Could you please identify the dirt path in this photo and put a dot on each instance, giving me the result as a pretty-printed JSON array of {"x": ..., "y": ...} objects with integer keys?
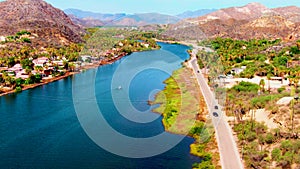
[{"x": 261, "y": 115}]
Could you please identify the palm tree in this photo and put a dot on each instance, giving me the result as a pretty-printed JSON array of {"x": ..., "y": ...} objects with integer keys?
[
  {"x": 262, "y": 85},
  {"x": 72, "y": 67},
  {"x": 39, "y": 68},
  {"x": 28, "y": 70},
  {"x": 8, "y": 80},
  {"x": 296, "y": 81},
  {"x": 269, "y": 78}
]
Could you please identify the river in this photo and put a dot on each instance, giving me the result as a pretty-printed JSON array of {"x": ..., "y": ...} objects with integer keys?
[{"x": 39, "y": 128}]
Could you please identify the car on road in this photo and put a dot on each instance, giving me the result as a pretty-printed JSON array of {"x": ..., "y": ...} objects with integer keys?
[
  {"x": 216, "y": 107},
  {"x": 215, "y": 114},
  {"x": 198, "y": 71}
]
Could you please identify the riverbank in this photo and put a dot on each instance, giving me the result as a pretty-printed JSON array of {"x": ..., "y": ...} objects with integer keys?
[
  {"x": 26, "y": 87},
  {"x": 88, "y": 66},
  {"x": 50, "y": 80},
  {"x": 91, "y": 66},
  {"x": 184, "y": 112}
]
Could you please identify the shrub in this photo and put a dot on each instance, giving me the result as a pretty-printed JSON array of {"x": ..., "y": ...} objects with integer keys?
[
  {"x": 37, "y": 78},
  {"x": 269, "y": 138},
  {"x": 246, "y": 87},
  {"x": 262, "y": 101},
  {"x": 280, "y": 90},
  {"x": 197, "y": 129},
  {"x": 198, "y": 149},
  {"x": 18, "y": 89},
  {"x": 19, "y": 81},
  {"x": 26, "y": 40},
  {"x": 250, "y": 136},
  {"x": 276, "y": 154},
  {"x": 287, "y": 145},
  {"x": 200, "y": 63},
  {"x": 207, "y": 157},
  {"x": 205, "y": 165},
  {"x": 23, "y": 32},
  {"x": 287, "y": 157}
]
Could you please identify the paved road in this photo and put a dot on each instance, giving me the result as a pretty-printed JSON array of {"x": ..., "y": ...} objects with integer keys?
[{"x": 230, "y": 158}]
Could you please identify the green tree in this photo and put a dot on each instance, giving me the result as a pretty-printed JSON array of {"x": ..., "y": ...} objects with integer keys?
[
  {"x": 269, "y": 138},
  {"x": 19, "y": 81},
  {"x": 39, "y": 69},
  {"x": 10, "y": 61},
  {"x": 269, "y": 85},
  {"x": 27, "y": 63},
  {"x": 18, "y": 89},
  {"x": 66, "y": 65},
  {"x": 262, "y": 85},
  {"x": 286, "y": 145},
  {"x": 72, "y": 67},
  {"x": 276, "y": 154}
]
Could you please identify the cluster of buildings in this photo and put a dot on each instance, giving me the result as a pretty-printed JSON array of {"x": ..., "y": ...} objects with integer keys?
[{"x": 42, "y": 65}]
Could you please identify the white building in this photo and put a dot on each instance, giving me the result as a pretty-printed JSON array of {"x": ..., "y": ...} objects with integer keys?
[
  {"x": 40, "y": 61},
  {"x": 2, "y": 39}
]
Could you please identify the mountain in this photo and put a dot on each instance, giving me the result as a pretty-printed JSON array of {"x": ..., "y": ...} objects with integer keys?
[
  {"x": 247, "y": 12},
  {"x": 50, "y": 24},
  {"x": 291, "y": 13},
  {"x": 85, "y": 18},
  {"x": 145, "y": 19},
  {"x": 93, "y": 15},
  {"x": 86, "y": 22},
  {"x": 253, "y": 20},
  {"x": 194, "y": 14}
]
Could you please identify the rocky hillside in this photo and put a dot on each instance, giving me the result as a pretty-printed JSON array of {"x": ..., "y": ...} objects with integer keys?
[
  {"x": 49, "y": 24},
  {"x": 248, "y": 12},
  {"x": 247, "y": 22}
]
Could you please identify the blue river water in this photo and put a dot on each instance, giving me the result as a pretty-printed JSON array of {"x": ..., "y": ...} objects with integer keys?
[{"x": 39, "y": 127}]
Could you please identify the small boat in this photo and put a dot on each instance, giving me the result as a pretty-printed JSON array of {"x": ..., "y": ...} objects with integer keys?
[{"x": 120, "y": 87}]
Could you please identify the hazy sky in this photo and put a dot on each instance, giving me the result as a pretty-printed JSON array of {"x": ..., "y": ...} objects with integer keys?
[{"x": 161, "y": 6}]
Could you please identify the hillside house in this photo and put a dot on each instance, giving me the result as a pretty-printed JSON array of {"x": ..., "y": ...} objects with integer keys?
[
  {"x": 2, "y": 39},
  {"x": 238, "y": 70},
  {"x": 58, "y": 62},
  {"x": 40, "y": 61},
  {"x": 86, "y": 58},
  {"x": 15, "y": 69},
  {"x": 22, "y": 74}
]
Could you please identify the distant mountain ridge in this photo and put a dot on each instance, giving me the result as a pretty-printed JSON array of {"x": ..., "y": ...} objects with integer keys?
[
  {"x": 146, "y": 19},
  {"x": 122, "y": 19},
  {"x": 50, "y": 24},
  {"x": 98, "y": 16},
  {"x": 253, "y": 20},
  {"x": 194, "y": 14}
]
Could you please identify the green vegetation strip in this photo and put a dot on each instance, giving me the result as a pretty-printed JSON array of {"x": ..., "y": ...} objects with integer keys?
[
  {"x": 260, "y": 56},
  {"x": 100, "y": 40},
  {"x": 179, "y": 107}
]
